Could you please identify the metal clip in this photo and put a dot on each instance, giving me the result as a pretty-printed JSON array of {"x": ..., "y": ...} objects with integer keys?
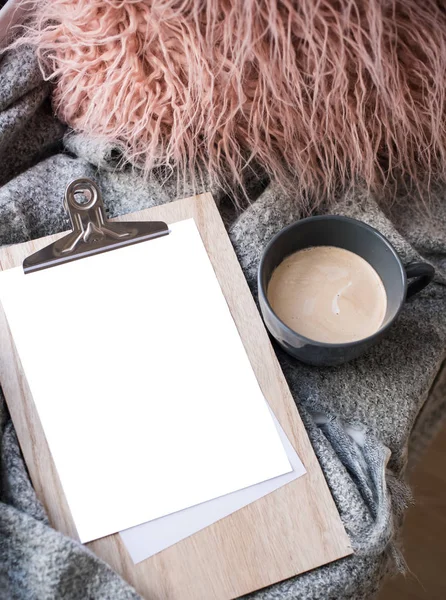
[{"x": 92, "y": 232}]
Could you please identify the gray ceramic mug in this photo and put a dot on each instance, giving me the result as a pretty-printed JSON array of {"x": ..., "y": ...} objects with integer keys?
[{"x": 363, "y": 240}]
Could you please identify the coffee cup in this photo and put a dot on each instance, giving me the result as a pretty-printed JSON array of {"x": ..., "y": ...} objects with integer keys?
[{"x": 365, "y": 242}]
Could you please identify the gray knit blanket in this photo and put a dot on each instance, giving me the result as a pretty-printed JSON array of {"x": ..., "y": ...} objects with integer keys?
[{"x": 362, "y": 418}]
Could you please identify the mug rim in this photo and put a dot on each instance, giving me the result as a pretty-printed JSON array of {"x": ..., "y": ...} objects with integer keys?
[{"x": 352, "y": 221}]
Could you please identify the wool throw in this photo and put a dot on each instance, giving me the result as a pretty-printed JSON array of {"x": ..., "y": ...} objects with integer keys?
[{"x": 359, "y": 416}]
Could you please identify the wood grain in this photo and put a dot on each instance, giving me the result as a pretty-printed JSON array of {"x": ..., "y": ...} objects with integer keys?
[
  {"x": 292, "y": 530},
  {"x": 424, "y": 532}
]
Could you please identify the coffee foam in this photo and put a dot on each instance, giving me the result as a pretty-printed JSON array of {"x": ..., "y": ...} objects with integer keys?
[{"x": 328, "y": 294}]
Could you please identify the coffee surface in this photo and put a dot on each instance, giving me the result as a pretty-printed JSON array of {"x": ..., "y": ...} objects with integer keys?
[{"x": 328, "y": 294}]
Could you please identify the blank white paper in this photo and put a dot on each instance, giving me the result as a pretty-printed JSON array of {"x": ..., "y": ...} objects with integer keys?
[
  {"x": 150, "y": 538},
  {"x": 143, "y": 387}
]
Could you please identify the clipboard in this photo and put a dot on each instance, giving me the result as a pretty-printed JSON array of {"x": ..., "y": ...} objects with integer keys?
[{"x": 288, "y": 532}]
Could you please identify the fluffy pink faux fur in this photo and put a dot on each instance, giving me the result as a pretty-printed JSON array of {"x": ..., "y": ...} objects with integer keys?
[{"x": 318, "y": 92}]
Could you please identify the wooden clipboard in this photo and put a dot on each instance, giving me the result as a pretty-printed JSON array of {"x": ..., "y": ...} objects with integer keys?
[{"x": 288, "y": 532}]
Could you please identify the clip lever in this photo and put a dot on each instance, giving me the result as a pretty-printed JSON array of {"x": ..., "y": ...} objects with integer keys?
[{"x": 92, "y": 233}]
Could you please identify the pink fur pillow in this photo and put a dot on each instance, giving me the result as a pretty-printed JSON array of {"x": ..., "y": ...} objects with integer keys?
[{"x": 319, "y": 93}]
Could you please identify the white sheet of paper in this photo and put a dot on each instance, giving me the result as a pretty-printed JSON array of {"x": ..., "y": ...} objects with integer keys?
[
  {"x": 150, "y": 538},
  {"x": 145, "y": 393}
]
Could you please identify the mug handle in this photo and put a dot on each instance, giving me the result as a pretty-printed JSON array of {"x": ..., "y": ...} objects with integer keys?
[{"x": 424, "y": 274}]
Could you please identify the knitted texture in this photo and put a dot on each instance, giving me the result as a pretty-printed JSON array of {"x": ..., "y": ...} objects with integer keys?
[
  {"x": 320, "y": 94},
  {"x": 359, "y": 417}
]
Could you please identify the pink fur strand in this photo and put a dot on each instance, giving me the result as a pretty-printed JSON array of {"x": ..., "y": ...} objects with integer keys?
[{"x": 319, "y": 93}]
